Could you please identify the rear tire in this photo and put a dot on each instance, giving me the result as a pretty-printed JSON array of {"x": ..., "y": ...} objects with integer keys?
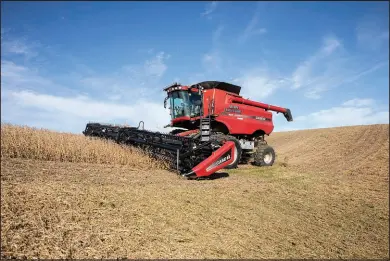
[
  {"x": 264, "y": 156},
  {"x": 238, "y": 150}
]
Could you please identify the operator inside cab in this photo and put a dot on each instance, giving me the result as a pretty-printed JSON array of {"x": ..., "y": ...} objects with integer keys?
[{"x": 195, "y": 102}]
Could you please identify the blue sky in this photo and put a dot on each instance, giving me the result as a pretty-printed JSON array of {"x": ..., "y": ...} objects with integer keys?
[{"x": 66, "y": 63}]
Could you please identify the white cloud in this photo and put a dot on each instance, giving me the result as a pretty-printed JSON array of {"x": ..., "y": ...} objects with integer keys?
[
  {"x": 115, "y": 97},
  {"x": 352, "y": 112},
  {"x": 209, "y": 9},
  {"x": 259, "y": 83},
  {"x": 17, "y": 46},
  {"x": 153, "y": 67},
  {"x": 359, "y": 102},
  {"x": 360, "y": 74},
  {"x": 314, "y": 93},
  {"x": 212, "y": 61},
  {"x": 29, "y": 98},
  {"x": 302, "y": 76},
  {"x": 335, "y": 77},
  {"x": 135, "y": 77},
  {"x": 81, "y": 109},
  {"x": 90, "y": 108},
  {"x": 330, "y": 67},
  {"x": 131, "y": 81},
  {"x": 156, "y": 66},
  {"x": 330, "y": 45},
  {"x": 217, "y": 34},
  {"x": 10, "y": 69},
  {"x": 251, "y": 29},
  {"x": 207, "y": 58},
  {"x": 14, "y": 76}
]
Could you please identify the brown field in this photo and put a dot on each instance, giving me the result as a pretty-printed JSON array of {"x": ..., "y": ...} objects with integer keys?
[{"x": 64, "y": 196}]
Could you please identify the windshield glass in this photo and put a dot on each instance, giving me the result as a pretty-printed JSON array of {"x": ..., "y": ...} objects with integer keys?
[{"x": 184, "y": 103}]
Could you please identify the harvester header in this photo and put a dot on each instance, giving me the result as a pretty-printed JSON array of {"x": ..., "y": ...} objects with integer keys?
[{"x": 216, "y": 128}]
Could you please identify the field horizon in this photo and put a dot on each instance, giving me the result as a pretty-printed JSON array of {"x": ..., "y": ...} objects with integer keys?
[{"x": 68, "y": 196}]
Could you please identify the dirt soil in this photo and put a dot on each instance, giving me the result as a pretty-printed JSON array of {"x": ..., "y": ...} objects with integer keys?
[{"x": 327, "y": 196}]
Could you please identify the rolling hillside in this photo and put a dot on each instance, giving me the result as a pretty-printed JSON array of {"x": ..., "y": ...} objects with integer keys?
[
  {"x": 358, "y": 149},
  {"x": 326, "y": 197}
]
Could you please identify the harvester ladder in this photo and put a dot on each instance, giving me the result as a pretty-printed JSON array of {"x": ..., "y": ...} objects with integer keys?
[
  {"x": 205, "y": 128},
  {"x": 205, "y": 125},
  {"x": 205, "y": 121}
]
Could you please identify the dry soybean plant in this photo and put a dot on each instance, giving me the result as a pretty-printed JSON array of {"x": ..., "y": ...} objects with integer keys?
[{"x": 41, "y": 144}]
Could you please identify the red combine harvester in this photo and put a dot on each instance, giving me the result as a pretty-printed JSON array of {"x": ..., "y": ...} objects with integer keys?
[{"x": 218, "y": 129}]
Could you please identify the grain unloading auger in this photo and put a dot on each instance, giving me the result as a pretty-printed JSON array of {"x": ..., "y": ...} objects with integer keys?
[{"x": 219, "y": 129}]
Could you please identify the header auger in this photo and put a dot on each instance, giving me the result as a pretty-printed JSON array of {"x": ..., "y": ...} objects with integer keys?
[{"x": 218, "y": 129}]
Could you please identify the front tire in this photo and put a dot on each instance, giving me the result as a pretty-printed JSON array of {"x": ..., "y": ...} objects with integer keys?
[{"x": 264, "y": 156}]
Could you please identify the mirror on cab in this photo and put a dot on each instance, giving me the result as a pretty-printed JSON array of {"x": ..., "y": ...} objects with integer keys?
[{"x": 165, "y": 102}]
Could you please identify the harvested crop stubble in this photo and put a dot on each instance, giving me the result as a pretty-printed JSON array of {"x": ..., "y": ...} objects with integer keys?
[
  {"x": 42, "y": 144},
  {"x": 330, "y": 200}
]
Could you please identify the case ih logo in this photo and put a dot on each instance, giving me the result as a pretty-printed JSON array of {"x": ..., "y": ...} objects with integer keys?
[
  {"x": 225, "y": 157},
  {"x": 234, "y": 109}
]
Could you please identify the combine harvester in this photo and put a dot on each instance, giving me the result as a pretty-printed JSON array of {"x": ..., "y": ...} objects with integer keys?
[{"x": 219, "y": 129}]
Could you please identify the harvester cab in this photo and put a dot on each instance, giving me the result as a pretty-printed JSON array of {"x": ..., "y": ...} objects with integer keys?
[
  {"x": 185, "y": 103},
  {"x": 219, "y": 129}
]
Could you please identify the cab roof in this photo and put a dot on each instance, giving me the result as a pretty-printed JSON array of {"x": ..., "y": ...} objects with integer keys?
[{"x": 228, "y": 87}]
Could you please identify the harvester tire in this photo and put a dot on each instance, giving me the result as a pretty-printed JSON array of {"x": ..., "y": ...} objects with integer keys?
[
  {"x": 221, "y": 137},
  {"x": 264, "y": 156}
]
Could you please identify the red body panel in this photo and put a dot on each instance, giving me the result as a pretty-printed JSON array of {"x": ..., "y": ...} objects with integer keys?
[
  {"x": 185, "y": 133},
  {"x": 239, "y": 118},
  {"x": 239, "y": 124},
  {"x": 218, "y": 160},
  {"x": 180, "y": 119}
]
